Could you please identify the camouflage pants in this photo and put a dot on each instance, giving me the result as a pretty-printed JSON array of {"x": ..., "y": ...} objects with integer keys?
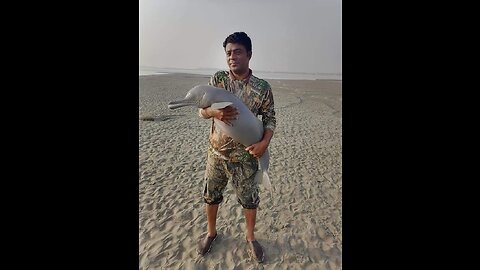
[{"x": 241, "y": 175}]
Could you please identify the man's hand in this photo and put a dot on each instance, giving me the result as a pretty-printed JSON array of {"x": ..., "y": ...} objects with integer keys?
[
  {"x": 225, "y": 115},
  {"x": 257, "y": 149}
]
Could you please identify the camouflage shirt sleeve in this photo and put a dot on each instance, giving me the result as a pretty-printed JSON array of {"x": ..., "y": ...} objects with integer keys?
[
  {"x": 267, "y": 110},
  {"x": 217, "y": 80}
]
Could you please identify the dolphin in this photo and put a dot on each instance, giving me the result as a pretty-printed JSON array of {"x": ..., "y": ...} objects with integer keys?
[{"x": 247, "y": 129}]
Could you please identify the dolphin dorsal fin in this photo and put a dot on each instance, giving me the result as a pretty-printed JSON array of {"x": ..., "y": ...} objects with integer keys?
[{"x": 220, "y": 105}]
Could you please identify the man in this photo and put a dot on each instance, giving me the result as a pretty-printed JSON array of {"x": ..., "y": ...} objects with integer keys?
[{"x": 229, "y": 160}]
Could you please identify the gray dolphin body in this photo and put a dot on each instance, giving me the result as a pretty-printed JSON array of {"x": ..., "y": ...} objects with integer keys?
[{"x": 247, "y": 129}]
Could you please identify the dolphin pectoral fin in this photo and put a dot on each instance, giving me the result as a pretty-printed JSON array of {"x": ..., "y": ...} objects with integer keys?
[{"x": 220, "y": 105}]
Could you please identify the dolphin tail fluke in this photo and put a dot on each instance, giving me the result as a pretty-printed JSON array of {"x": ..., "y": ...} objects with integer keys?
[
  {"x": 261, "y": 177},
  {"x": 266, "y": 183}
]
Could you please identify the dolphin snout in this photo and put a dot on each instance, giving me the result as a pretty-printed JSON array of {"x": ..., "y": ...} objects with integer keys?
[
  {"x": 193, "y": 98},
  {"x": 181, "y": 103}
]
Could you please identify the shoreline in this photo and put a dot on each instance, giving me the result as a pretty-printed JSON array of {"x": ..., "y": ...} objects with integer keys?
[{"x": 259, "y": 74}]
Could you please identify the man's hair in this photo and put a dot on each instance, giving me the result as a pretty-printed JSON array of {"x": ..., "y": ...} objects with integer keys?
[{"x": 240, "y": 38}]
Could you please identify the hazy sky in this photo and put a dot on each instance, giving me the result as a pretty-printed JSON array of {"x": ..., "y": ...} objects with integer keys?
[{"x": 287, "y": 36}]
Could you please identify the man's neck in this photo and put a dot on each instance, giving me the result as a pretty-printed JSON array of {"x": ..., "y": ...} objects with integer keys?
[{"x": 241, "y": 76}]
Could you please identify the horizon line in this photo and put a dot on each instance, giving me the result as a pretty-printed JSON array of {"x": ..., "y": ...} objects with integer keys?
[{"x": 264, "y": 71}]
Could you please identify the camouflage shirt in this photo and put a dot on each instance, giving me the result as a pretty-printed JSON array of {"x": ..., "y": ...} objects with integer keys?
[{"x": 257, "y": 95}]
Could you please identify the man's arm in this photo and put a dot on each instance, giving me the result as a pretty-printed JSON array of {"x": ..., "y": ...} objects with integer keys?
[
  {"x": 258, "y": 149},
  {"x": 267, "y": 136},
  {"x": 205, "y": 113},
  {"x": 226, "y": 114},
  {"x": 269, "y": 123}
]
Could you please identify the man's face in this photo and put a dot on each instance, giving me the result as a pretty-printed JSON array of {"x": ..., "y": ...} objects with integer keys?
[{"x": 237, "y": 57}]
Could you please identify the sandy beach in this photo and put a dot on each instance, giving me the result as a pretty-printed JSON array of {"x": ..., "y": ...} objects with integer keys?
[{"x": 299, "y": 228}]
